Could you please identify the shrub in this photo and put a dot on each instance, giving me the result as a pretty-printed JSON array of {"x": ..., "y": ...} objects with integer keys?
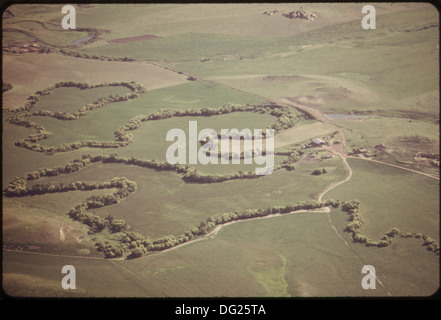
[{"x": 319, "y": 171}]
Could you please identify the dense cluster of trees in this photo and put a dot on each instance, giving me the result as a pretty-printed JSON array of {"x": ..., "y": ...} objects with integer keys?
[
  {"x": 135, "y": 91},
  {"x": 189, "y": 174},
  {"x": 132, "y": 244},
  {"x": 123, "y": 241},
  {"x": 80, "y": 212},
  {"x": 293, "y": 153},
  {"x": 286, "y": 118},
  {"x": 356, "y": 221},
  {"x": 18, "y": 186},
  {"x": 319, "y": 171},
  {"x": 254, "y": 213},
  {"x": 128, "y": 242},
  {"x": 30, "y": 142},
  {"x": 6, "y": 86},
  {"x": 19, "y": 120},
  {"x": 429, "y": 242},
  {"x": 135, "y": 88},
  {"x": 75, "y": 54},
  {"x": 210, "y": 224},
  {"x": 69, "y": 146},
  {"x": 429, "y": 155},
  {"x": 140, "y": 245},
  {"x": 122, "y": 135},
  {"x": 293, "y": 156},
  {"x": 110, "y": 248},
  {"x": 352, "y": 208},
  {"x": 166, "y": 113},
  {"x": 195, "y": 176}
]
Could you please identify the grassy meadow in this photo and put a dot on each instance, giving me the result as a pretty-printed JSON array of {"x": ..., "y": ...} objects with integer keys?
[
  {"x": 71, "y": 99},
  {"x": 246, "y": 259},
  {"x": 404, "y": 262},
  {"x": 417, "y": 212},
  {"x": 164, "y": 204},
  {"x": 115, "y": 115},
  {"x": 48, "y": 34}
]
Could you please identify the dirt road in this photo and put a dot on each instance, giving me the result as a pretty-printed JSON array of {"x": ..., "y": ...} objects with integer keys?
[
  {"x": 395, "y": 166},
  {"x": 313, "y": 113}
]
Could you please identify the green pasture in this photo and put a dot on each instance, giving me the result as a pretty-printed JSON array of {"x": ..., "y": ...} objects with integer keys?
[
  {"x": 192, "y": 95},
  {"x": 369, "y": 132},
  {"x": 186, "y": 47},
  {"x": 69, "y": 100},
  {"x": 150, "y": 139},
  {"x": 391, "y": 197},
  {"x": 40, "y": 276},
  {"x": 398, "y": 71},
  {"x": 50, "y": 34},
  {"x": 16, "y": 160},
  {"x": 12, "y": 37},
  {"x": 164, "y": 204}
]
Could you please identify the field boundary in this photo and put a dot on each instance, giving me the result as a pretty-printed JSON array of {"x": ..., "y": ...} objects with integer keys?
[{"x": 285, "y": 118}]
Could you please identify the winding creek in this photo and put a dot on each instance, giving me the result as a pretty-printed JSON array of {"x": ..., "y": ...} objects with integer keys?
[{"x": 78, "y": 41}]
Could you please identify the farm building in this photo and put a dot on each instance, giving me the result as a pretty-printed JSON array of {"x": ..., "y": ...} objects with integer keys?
[{"x": 318, "y": 142}]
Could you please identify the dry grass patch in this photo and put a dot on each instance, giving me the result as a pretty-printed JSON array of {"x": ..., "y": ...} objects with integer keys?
[
  {"x": 40, "y": 224},
  {"x": 302, "y": 133},
  {"x": 31, "y": 72}
]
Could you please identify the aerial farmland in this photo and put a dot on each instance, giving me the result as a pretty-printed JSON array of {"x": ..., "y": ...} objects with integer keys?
[{"x": 220, "y": 150}]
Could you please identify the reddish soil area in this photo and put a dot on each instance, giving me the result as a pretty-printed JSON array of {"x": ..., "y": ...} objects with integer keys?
[{"x": 130, "y": 39}]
